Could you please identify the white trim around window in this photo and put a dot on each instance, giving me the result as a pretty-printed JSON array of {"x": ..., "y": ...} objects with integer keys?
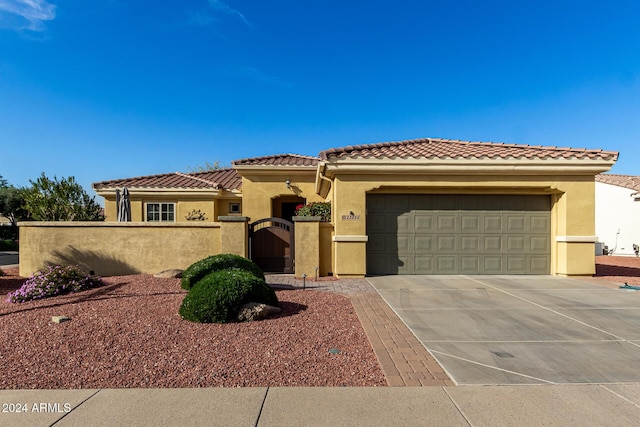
[{"x": 160, "y": 212}]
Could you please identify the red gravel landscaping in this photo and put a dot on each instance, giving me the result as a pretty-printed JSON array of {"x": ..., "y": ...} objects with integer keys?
[
  {"x": 128, "y": 333},
  {"x": 618, "y": 269}
]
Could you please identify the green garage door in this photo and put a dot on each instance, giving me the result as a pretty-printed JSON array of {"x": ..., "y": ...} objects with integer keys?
[{"x": 458, "y": 234}]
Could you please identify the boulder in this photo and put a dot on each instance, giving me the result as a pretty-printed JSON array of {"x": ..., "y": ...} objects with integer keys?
[
  {"x": 256, "y": 311},
  {"x": 60, "y": 319},
  {"x": 169, "y": 274}
]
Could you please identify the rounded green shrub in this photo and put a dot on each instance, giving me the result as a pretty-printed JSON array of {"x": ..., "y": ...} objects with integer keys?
[
  {"x": 218, "y": 297},
  {"x": 199, "y": 269}
]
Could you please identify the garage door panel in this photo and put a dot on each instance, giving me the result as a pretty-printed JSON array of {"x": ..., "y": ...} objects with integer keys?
[
  {"x": 403, "y": 224},
  {"x": 447, "y": 243},
  {"x": 421, "y": 203},
  {"x": 423, "y": 223},
  {"x": 513, "y": 203},
  {"x": 445, "y": 202},
  {"x": 404, "y": 244},
  {"x": 470, "y": 244},
  {"x": 377, "y": 264},
  {"x": 446, "y": 264},
  {"x": 516, "y": 265},
  {"x": 377, "y": 223},
  {"x": 537, "y": 204},
  {"x": 398, "y": 203},
  {"x": 470, "y": 223},
  {"x": 423, "y": 265},
  {"x": 446, "y": 223},
  {"x": 493, "y": 223},
  {"x": 492, "y": 244},
  {"x": 492, "y": 265},
  {"x": 377, "y": 243},
  {"x": 516, "y": 223},
  {"x": 539, "y": 244},
  {"x": 454, "y": 234},
  {"x": 403, "y": 263},
  {"x": 469, "y": 264},
  {"x": 539, "y": 265},
  {"x": 423, "y": 244},
  {"x": 515, "y": 244},
  {"x": 377, "y": 203},
  {"x": 540, "y": 224}
]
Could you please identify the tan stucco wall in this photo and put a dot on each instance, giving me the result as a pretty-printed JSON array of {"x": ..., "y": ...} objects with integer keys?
[
  {"x": 307, "y": 247},
  {"x": 326, "y": 253},
  {"x": 234, "y": 235},
  {"x": 572, "y": 213},
  {"x": 258, "y": 192},
  {"x": 185, "y": 204},
  {"x": 116, "y": 248}
]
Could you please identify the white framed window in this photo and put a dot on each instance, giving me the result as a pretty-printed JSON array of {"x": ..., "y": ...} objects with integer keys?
[
  {"x": 161, "y": 212},
  {"x": 234, "y": 208}
]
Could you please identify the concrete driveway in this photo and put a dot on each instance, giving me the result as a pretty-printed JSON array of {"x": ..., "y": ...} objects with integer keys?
[{"x": 521, "y": 329}]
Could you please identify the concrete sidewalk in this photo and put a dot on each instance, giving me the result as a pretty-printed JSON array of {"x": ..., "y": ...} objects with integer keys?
[{"x": 565, "y": 405}]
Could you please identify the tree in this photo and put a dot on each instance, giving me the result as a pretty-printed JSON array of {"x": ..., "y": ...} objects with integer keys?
[
  {"x": 208, "y": 167},
  {"x": 60, "y": 200},
  {"x": 11, "y": 202}
]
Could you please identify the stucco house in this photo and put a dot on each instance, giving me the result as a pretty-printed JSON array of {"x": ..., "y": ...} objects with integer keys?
[
  {"x": 424, "y": 206},
  {"x": 618, "y": 213}
]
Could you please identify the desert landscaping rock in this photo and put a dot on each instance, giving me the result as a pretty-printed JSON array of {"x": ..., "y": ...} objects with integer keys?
[
  {"x": 128, "y": 334},
  {"x": 169, "y": 274},
  {"x": 256, "y": 311}
]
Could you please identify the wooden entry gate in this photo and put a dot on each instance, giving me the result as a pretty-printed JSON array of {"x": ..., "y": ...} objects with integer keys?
[{"x": 271, "y": 244}]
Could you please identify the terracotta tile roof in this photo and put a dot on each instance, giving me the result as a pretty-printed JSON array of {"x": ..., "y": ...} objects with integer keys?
[
  {"x": 278, "y": 160},
  {"x": 227, "y": 179},
  {"x": 631, "y": 182},
  {"x": 453, "y": 149}
]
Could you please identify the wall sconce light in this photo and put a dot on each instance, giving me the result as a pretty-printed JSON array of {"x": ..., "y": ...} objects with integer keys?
[{"x": 288, "y": 182}]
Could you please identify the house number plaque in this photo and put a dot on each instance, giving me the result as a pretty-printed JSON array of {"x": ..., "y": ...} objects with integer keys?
[{"x": 350, "y": 217}]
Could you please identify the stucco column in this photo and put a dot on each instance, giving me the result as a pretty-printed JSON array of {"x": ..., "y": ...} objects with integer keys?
[
  {"x": 234, "y": 235},
  {"x": 307, "y": 241},
  {"x": 350, "y": 237}
]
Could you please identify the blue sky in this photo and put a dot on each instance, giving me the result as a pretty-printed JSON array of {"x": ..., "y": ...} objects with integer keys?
[{"x": 119, "y": 88}]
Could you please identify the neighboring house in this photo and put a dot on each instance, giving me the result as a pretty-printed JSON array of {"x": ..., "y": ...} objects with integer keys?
[
  {"x": 618, "y": 213},
  {"x": 426, "y": 206}
]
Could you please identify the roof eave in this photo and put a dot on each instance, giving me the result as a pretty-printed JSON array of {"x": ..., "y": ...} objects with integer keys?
[
  {"x": 173, "y": 191},
  {"x": 468, "y": 166},
  {"x": 323, "y": 184},
  {"x": 270, "y": 169}
]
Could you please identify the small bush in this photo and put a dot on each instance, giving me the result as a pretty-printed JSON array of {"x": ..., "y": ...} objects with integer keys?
[
  {"x": 8, "y": 232},
  {"x": 321, "y": 209},
  {"x": 54, "y": 280},
  {"x": 218, "y": 297},
  {"x": 198, "y": 270},
  {"x": 8, "y": 245}
]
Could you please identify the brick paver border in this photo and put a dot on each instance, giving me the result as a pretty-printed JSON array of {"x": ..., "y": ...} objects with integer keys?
[
  {"x": 402, "y": 357},
  {"x": 404, "y": 360}
]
